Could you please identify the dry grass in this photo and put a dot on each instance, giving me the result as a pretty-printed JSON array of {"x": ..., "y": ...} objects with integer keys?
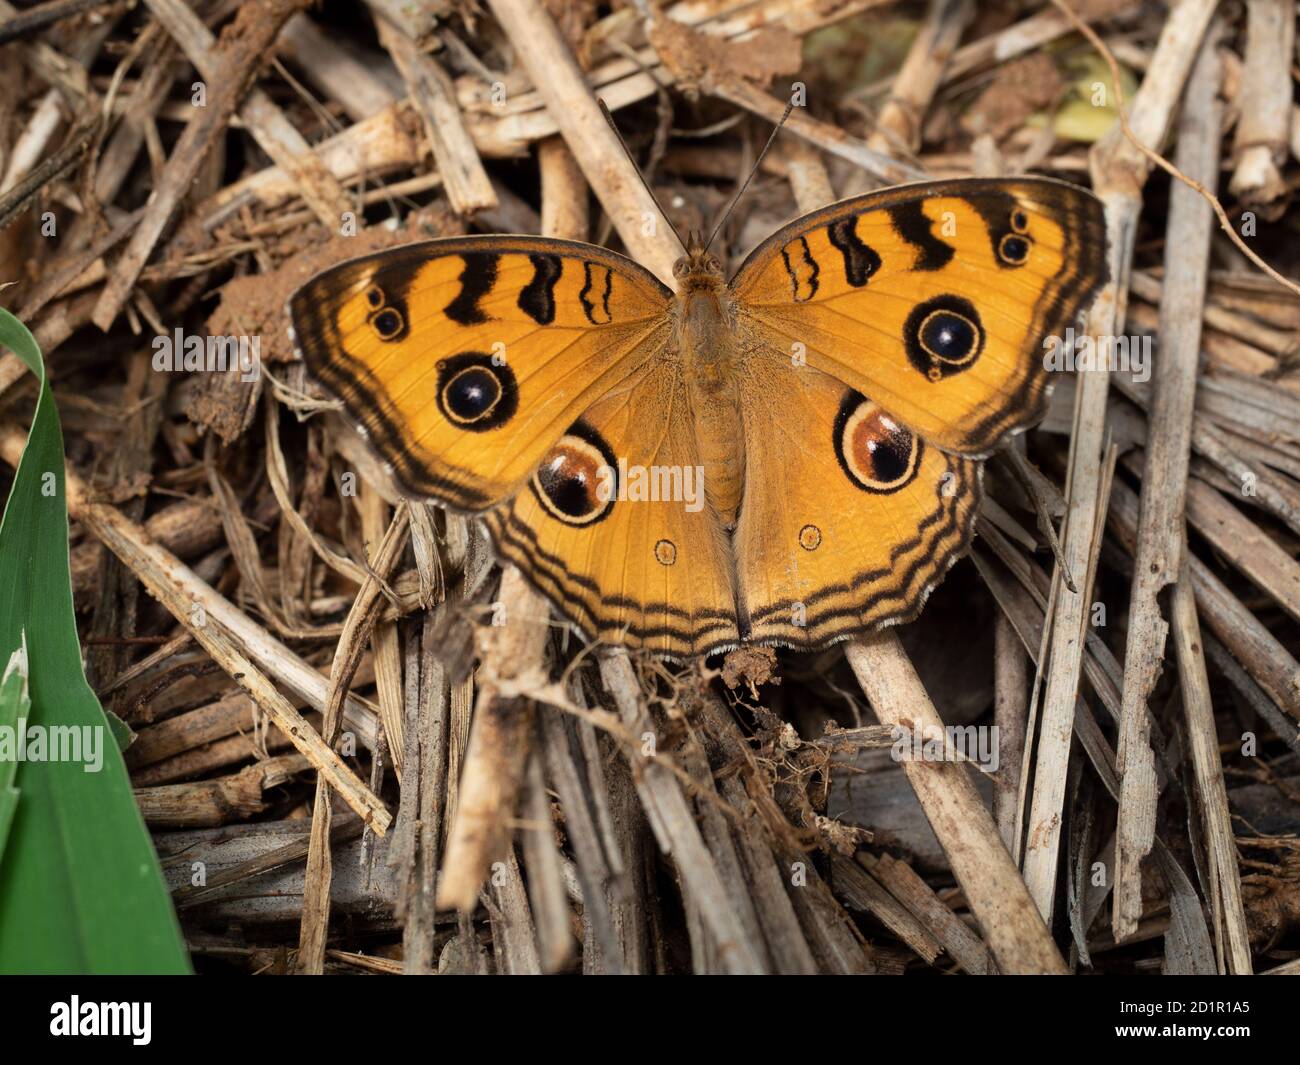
[{"x": 376, "y": 777}]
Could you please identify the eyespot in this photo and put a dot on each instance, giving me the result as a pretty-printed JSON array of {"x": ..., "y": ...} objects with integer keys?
[
  {"x": 876, "y": 452},
  {"x": 388, "y": 323},
  {"x": 577, "y": 482},
  {"x": 810, "y": 537},
  {"x": 1013, "y": 249},
  {"x": 472, "y": 394},
  {"x": 375, "y": 296},
  {"x": 1019, "y": 221},
  {"x": 475, "y": 394},
  {"x": 943, "y": 334},
  {"x": 665, "y": 552}
]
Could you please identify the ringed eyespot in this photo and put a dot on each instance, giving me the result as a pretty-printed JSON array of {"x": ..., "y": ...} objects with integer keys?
[
  {"x": 810, "y": 537},
  {"x": 474, "y": 393},
  {"x": 875, "y": 452},
  {"x": 388, "y": 323},
  {"x": 375, "y": 296},
  {"x": 665, "y": 552},
  {"x": 577, "y": 482},
  {"x": 1019, "y": 220},
  {"x": 1013, "y": 250},
  {"x": 943, "y": 336}
]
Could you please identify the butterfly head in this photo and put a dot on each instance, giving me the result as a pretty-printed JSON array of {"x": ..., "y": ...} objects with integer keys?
[{"x": 699, "y": 267}]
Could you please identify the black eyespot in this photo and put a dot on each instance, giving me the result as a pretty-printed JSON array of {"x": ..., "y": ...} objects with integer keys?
[
  {"x": 943, "y": 336},
  {"x": 388, "y": 323},
  {"x": 577, "y": 482},
  {"x": 1019, "y": 220},
  {"x": 947, "y": 336},
  {"x": 472, "y": 393},
  {"x": 476, "y": 394},
  {"x": 1013, "y": 249},
  {"x": 375, "y": 296}
]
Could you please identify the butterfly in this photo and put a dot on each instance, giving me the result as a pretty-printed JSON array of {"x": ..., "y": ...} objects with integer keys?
[{"x": 793, "y": 456}]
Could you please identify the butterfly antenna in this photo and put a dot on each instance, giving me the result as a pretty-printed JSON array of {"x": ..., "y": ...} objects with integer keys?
[
  {"x": 754, "y": 170},
  {"x": 637, "y": 168}
]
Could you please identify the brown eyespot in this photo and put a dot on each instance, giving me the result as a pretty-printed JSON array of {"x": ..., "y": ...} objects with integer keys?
[
  {"x": 577, "y": 482},
  {"x": 665, "y": 552},
  {"x": 810, "y": 537},
  {"x": 875, "y": 451}
]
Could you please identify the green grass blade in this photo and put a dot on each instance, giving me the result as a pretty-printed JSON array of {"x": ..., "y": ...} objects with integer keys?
[
  {"x": 80, "y": 886},
  {"x": 15, "y": 707}
]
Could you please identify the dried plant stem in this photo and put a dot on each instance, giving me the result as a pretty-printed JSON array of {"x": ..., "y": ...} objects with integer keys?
[
  {"x": 225, "y": 632},
  {"x": 569, "y": 100},
  {"x": 1162, "y": 540},
  {"x": 1011, "y": 925},
  {"x": 1119, "y": 169}
]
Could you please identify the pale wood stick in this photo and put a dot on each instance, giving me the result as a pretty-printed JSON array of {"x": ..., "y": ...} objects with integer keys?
[
  {"x": 381, "y": 143},
  {"x": 898, "y": 127},
  {"x": 385, "y": 647},
  {"x": 1000, "y": 900},
  {"x": 1203, "y": 741},
  {"x": 314, "y": 928},
  {"x": 333, "y": 70},
  {"x": 1162, "y": 542},
  {"x": 1012, "y": 926},
  {"x": 1119, "y": 171},
  {"x": 1020, "y": 38},
  {"x": 1264, "y": 101},
  {"x": 467, "y": 184},
  {"x": 1269, "y": 663},
  {"x": 512, "y": 654},
  {"x": 823, "y": 135},
  {"x": 260, "y": 114},
  {"x": 804, "y": 169},
  {"x": 494, "y": 767},
  {"x": 561, "y": 84},
  {"x": 903, "y": 882},
  {"x": 555, "y": 942},
  {"x": 673, "y": 822},
  {"x": 1010, "y": 714},
  {"x": 234, "y": 67},
  {"x": 514, "y": 938},
  {"x": 234, "y": 641}
]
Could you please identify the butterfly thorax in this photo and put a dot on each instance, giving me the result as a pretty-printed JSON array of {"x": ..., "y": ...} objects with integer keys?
[{"x": 706, "y": 342}]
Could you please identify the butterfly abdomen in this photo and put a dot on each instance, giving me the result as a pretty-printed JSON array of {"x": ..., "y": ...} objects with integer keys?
[{"x": 710, "y": 362}]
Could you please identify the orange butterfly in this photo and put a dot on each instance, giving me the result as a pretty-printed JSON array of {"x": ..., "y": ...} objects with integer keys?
[{"x": 791, "y": 457}]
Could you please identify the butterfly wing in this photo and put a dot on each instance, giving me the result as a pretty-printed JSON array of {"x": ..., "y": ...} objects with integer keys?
[
  {"x": 934, "y": 300},
  {"x": 893, "y": 340},
  {"x": 849, "y": 518},
  {"x": 504, "y": 375},
  {"x": 615, "y": 530},
  {"x": 464, "y": 360}
]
